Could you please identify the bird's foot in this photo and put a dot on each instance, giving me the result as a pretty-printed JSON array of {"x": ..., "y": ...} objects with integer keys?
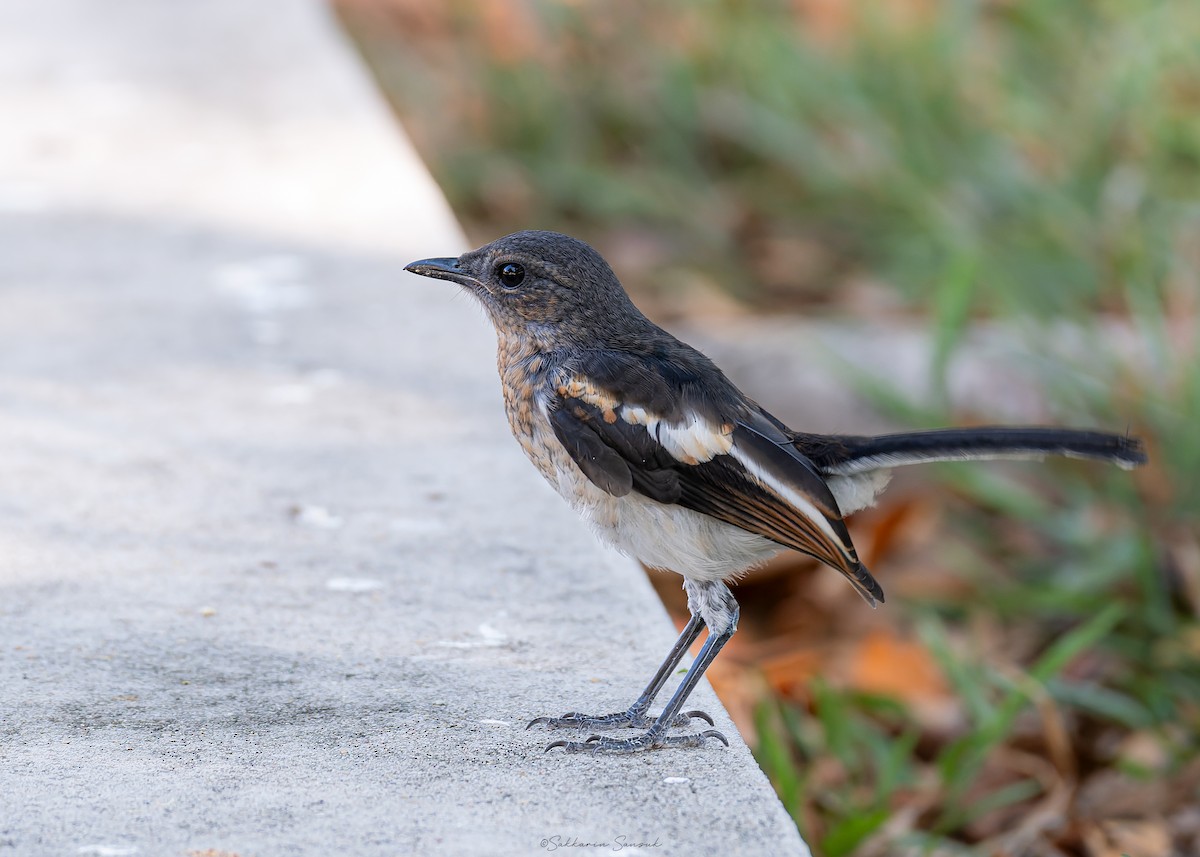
[
  {"x": 650, "y": 741},
  {"x": 625, "y": 719}
]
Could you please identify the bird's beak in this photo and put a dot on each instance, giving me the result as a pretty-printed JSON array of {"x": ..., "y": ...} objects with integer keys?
[{"x": 440, "y": 269}]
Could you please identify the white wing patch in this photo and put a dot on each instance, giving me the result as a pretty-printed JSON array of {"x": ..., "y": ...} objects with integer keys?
[{"x": 693, "y": 441}]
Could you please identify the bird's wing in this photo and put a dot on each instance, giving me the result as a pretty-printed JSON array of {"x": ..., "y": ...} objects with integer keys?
[{"x": 632, "y": 430}]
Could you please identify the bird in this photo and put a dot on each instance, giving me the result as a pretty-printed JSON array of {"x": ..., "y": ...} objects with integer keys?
[{"x": 670, "y": 463}]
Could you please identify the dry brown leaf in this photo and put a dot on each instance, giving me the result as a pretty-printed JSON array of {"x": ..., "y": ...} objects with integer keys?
[
  {"x": 1014, "y": 829},
  {"x": 790, "y": 672},
  {"x": 889, "y": 665},
  {"x": 1109, "y": 794},
  {"x": 1145, "y": 750},
  {"x": 1143, "y": 838},
  {"x": 832, "y": 22},
  {"x": 896, "y": 521}
]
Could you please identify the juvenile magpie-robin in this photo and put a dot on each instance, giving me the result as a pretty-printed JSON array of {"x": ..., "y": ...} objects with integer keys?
[{"x": 669, "y": 462}]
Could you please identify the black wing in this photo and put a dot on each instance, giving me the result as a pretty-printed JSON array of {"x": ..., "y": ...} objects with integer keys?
[{"x": 630, "y": 426}]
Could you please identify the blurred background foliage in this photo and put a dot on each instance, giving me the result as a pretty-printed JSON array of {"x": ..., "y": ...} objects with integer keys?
[{"x": 1034, "y": 686}]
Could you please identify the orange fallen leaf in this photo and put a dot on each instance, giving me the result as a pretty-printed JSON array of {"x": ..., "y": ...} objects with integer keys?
[
  {"x": 788, "y": 672},
  {"x": 889, "y": 665}
]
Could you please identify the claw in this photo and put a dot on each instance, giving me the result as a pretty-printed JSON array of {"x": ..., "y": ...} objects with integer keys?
[
  {"x": 699, "y": 715},
  {"x": 713, "y": 733},
  {"x": 576, "y": 746},
  {"x": 571, "y": 718}
]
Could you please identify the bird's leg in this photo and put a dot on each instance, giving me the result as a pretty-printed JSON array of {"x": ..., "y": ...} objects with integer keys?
[
  {"x": 635, "y": 717},
  {"x": 715, "y": 604}
]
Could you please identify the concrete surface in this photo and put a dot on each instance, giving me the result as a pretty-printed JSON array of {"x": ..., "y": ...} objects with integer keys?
[{"x": 273, "y": 577}]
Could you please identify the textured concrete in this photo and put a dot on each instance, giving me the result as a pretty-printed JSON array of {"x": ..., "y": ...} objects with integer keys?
[{"x": 273, "y": 577}]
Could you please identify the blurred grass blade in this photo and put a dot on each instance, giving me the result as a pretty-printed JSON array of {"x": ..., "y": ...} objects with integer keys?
[
  {"x": 849, "y": 833},
  {"x": 952, "y": 302}
]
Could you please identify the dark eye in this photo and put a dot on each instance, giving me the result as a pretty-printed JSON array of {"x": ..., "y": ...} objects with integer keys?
[{"x": 511, "y": 274}]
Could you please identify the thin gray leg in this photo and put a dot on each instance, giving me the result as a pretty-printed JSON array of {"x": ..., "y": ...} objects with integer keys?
[
  {"x": 635, "y": 717},
  {"x": 654, "y": 738}
]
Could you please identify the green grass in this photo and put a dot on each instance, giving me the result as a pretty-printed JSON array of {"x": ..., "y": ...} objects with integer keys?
[
  {"x": 1034, "y": 163},
  {"x": 1026, "y": 157},
  {"x": 1094, "y": 584}
]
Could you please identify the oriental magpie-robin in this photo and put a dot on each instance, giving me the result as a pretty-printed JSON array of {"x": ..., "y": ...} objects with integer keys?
[{"x": 669, "y": 462}]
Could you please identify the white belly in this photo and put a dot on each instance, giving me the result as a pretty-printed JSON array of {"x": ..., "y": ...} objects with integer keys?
[{"x": 671, "y": 537}]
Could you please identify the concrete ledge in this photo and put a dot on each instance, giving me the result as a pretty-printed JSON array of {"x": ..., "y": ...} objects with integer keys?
[{"x": 274, "y": 578}]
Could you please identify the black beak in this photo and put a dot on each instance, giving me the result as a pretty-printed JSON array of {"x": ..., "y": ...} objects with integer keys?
[{"x": 440, "y": 269}]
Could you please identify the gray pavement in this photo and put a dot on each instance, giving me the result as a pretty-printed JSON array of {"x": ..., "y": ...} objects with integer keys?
[{"x": 273, "y": 577}]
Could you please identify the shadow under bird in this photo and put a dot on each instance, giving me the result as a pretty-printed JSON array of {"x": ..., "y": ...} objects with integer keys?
[{"x": 669, "y": 462}]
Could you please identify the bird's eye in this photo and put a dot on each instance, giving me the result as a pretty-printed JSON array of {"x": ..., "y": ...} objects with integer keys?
[{"x": 511, "y": 274}]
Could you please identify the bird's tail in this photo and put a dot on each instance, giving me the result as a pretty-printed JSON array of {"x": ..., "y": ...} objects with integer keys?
[{"x": 845, "y": 455}]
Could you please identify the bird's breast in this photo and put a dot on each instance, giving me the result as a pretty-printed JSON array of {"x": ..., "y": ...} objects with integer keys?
[
  {"x": 660, "y": 535},
  {"x": 523, "y": 377}
]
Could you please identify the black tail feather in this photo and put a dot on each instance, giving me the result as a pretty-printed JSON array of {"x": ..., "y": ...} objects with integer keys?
[{"x": 847, "y": 454}]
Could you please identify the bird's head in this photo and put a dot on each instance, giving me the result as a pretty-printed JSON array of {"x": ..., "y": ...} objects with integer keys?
[{"x": 544, "y": 285}]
